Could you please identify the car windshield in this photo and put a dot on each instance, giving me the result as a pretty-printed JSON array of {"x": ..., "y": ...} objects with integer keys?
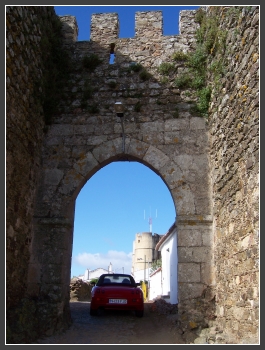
[{"x": 116, "y": 279}]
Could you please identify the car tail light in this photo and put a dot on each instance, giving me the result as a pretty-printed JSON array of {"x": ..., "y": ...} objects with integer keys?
[
  {"x": 97, "y": 294},
  {"x": 139, "y": 292}
]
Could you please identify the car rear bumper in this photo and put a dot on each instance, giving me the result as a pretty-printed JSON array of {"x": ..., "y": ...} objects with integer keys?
[{"x": 107, "y": 306}]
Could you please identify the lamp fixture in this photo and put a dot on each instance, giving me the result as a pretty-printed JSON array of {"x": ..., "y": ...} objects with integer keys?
[
  {"x": 119, "y": 109},
  {"x": 167, "y": 249}
]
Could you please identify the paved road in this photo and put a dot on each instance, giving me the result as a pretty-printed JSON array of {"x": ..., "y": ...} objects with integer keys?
[{"x": 117, "y": 327}]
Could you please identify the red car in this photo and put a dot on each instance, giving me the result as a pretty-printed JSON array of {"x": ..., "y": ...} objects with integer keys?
[{"x": 117, "y": 292}]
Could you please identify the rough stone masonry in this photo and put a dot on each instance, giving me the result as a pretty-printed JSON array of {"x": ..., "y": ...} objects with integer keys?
[{"x": 210, "y": 168}]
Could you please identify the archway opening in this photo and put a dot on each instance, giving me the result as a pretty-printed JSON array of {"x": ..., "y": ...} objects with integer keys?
[{"x": 120, "y": 200}]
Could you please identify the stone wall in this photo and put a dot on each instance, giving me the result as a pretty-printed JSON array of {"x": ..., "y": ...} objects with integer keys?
[
  {"x": 162, "y": 131},
  {"x": 24, "y": 135},
  {"x": 231, "y": 306},
  {"x": 234, "y": 153},
  {"x": 25, "y": 123}
]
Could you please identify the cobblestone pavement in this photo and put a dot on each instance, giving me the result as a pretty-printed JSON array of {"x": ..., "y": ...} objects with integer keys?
[{"x": 117, "y": 327}]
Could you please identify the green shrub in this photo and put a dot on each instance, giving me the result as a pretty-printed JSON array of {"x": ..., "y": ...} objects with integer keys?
[
  {"x": 144, "y": 75},
  {"x": 165, "y": 68},
  {"x": 155, "y": 265},
  {"x": 135, "y": 67},
  {"x": 198, "y": 81},
  {"x": 197, "y": 60},
  {"x": 179, "y": 56},
  {"x": 91, "y": 62},
  {"x": 199, "y": 16},
  {"x": 164, "y": 80},
  {"x": 203, "y": 102},
  {"x": 183, "y": 81},
  {"x": 94, "y": 280}
]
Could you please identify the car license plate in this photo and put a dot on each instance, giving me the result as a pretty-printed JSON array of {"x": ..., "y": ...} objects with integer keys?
[{"x": 118, "y": 301}]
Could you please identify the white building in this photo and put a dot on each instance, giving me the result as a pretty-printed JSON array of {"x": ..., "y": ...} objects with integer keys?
[
  {"x": 91, "y": 274},
  {"x": 142, "y": 275},
  {"x": 155, "y": 287},
  {"x": 169, "y": 271}
]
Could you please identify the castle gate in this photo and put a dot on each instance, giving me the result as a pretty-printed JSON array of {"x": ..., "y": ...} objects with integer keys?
[{"x": 158, "y": 128}]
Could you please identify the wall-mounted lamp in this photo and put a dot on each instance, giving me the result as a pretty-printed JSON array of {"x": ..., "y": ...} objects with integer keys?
[
  {"x": 119, "y": 109},
  {"x": 167, "y": 249}
]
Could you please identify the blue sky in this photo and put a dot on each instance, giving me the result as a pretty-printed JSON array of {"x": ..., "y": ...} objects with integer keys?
[
  {"x": 117, "y": 202},
  {"x": 114, "y": 205}
]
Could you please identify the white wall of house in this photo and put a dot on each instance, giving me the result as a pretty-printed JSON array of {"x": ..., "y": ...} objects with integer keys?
[
  {"x": 155, "y": 284},
  {"x": 90, "y": 274},
  {"x": 140, "y": 275},
  {"x": 169, "y": 256},
  {"x": 96, "y": 273}
]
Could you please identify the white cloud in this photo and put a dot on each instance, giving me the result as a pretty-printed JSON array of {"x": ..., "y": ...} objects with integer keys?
[{"x": 119, "y": 260}]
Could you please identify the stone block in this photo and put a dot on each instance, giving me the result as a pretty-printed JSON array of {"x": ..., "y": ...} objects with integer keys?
[
  {"x": 184, "y": 199},
  {"x": 189, "y": 237},
  {"x": 208, "y": 273},
  {"x": 85, "y": 164},
  {"x": 176, "y": 124},
  {"x": 189, "y": 272},
  {"x": 172, "y": 175},
  {"x": 53, "y": 176},
  {"x": 155, "y": 157},
  {"x": 197, "y": 123},
  {"x": 138, "y": 148},
  {"x": 188, "y": 291},
  {"x": 194, "y": 254}
]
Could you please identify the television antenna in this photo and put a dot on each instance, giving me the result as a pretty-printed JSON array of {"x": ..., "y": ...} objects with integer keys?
[{"x": 150, "y": 220}]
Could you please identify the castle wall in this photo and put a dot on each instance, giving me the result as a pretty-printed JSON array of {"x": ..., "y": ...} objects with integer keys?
[
  {"x": 46, "y": 173},
  {"x": 234, "y": 154},
  {"x": 25, "y": 123},
  {"x": 86, "y": 135}
]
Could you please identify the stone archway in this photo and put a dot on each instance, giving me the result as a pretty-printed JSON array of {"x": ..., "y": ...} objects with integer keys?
[
  {"x": 39, "y": 228},
  {"x": 162, "y": 131},
  {"x": 51, "y": 250}
]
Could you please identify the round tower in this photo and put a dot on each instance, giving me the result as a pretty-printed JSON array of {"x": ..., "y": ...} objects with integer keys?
[{"x": 143, "y": 250}]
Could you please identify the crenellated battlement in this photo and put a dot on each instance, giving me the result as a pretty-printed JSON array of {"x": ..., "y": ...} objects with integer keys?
[
  {"x": 105, "y": 27},
  {"x": 148, "y": 47},
  {"x": 148, "y": 24}
]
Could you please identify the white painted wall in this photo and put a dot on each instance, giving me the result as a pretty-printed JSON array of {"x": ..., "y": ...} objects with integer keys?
[
  {"x": 90, "y": 274},
  {"x": 139, "y": 275},
  {"x": 169, "y": 255},
  {"x": 155, "y": 284},
  {"x": 94, "y": 273}
]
